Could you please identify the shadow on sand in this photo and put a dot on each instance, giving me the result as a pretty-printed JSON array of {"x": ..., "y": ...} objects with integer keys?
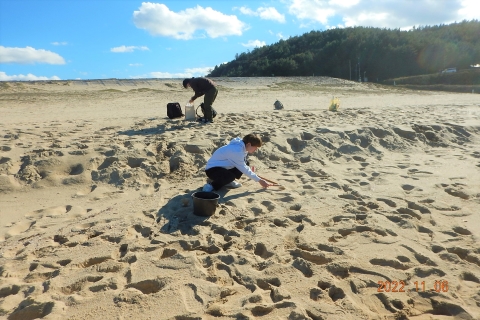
[
  {"x": 177, "y": 213},
  {"x": 175, "y": 125}
]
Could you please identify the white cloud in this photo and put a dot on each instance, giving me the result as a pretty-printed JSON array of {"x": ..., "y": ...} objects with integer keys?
[
  {"x": 157, "y": 19},
  {"x": 343, "y": 3},
  {"x": 271, "y": 13},
  {"x": 254, "y": 44},
  {"x": 384, "y": 14},
  {"x": 247, "y": 11},
  {"x": 59, "y": 43},
  {"x": 316, "y": 10},
  {"x": 199, "y": 71},
  {"x": 188, "y": 73},
  {"x": 470, "y": 9},
  {"x": 268, "y": 13},
  {"x": 29, "y": 55},
  {"x": 128, "y": 49},
  {"x": 135, "y": 64},
  {"x": 21, "y": 77},
  {"x": 364, "y": 18}
]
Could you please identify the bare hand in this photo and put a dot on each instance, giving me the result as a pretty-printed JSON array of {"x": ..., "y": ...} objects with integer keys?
[{"x": 264, "y": 183}]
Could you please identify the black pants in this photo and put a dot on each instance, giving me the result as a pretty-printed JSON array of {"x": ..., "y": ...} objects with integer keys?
[
  {"x": 208, "y": 100},
  {"x": 221, "y": 176}
]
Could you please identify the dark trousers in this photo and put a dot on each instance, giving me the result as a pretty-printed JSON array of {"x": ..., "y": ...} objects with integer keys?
[
  {"x": 221, "y": 176},
  {"x": 208, "y": 100}
]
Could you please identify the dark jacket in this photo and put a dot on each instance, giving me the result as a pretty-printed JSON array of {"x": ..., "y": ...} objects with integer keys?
[{"x": 200, "y": 86}]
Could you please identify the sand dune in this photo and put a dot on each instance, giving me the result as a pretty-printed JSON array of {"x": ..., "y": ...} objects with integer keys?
[{"x": 378, "y": 217}]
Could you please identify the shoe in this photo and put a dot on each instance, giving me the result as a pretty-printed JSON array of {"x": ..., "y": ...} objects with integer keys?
[
  {"x": 234, "y": 184},
  {"x": 207, "y": 188},
  {"x": 205, "y": 121}
]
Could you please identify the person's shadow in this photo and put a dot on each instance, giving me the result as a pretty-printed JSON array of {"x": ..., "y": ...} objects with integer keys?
[{"x": 177, "y": 213}]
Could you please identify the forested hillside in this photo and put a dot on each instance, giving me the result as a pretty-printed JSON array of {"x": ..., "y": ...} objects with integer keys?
[{"x": 374, "y": 53}]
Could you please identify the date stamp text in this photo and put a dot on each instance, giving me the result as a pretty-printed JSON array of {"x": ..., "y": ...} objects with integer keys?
[{"x": 419, "y": 286}]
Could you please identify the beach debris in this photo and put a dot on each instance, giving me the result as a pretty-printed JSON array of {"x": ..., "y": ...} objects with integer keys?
[
  {"x": 334, "y": 104},
  {"x": 278, "y": 105}
]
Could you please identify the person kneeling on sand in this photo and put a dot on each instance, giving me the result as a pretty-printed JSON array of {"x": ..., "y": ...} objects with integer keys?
[{"x": 229, "y": 163}]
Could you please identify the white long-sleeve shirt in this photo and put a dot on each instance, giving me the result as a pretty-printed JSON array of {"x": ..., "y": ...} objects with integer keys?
[{"x": 232, "y": 156}]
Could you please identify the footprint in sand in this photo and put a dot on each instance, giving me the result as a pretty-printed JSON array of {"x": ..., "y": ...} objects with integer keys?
[
  {"x": 463, "y": 253},
  {"x": 457, "y": 193},
  {"x": 407, "y": 187},
  {"x": 424, "y": 272},
  {"x": 9, "y": 290},
  {"x": 318, "y": 258},
  {"x": 269, "y": 205},
  {"x": 420, "y": 257},
  {"x": 415, "y": 206},
  {"x": 34, "y": 310},
  {"x": 468, "y": 276},
  {"x": 50, "y": 212},
  {"x": 423, "y": 229},
  {"x": 190, "y": 298},
  {"x": 85, "y": 191},
  {"x": 268, "y": 283},
  {"x": 281, "y": 222},
  {"x": 79, "y": 284},
  {"x": 82, "y": 227},
  {"x": 462, "y": 231},
  {"x": 57, "y": 212},
  {"x": 410, "y": 212},
  {"x": 262, "y": 251},
  {"x": 344, "y": 232},
  {"x": 138, "y": 230},
  {"x": 389, "y": 202},
  {"x": 303, "y": 266},
  {"x": 19, "y": 228},
  {"x": 108, "y": 284},
  {"x": 256, "y": 210},
  {"x": 327, "y": 288}
]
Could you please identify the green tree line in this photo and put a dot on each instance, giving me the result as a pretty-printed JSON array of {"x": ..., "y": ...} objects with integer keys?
[{"x": 358, "y": 52}]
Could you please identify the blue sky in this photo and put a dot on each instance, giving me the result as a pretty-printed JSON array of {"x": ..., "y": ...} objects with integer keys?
[{"x": 127, "y": 39}]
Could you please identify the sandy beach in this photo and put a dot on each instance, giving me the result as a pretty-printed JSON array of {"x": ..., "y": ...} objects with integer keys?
[{"x": 379, "y": 217}]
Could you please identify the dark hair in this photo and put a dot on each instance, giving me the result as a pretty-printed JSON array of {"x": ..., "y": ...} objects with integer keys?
[
  {"x": 185, "y": 82},
  {"x": 253, "y": 139}
]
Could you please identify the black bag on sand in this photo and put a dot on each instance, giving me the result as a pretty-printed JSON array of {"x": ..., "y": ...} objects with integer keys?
[
  {"x": 214, "y": 113},
  {"x": 174, "y": 110}
]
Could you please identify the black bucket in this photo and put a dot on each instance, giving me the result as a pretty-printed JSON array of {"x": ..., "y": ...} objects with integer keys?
[{"x": 205, "y": 203}]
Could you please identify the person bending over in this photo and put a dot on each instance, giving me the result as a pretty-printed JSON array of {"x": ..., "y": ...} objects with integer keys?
[
  {"x": 203, "y": 86},
  {"x": 229, "y": 163}
]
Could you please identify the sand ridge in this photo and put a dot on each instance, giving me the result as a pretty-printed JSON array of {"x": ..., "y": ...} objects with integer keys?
[{"x": 378, "y": 219}]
